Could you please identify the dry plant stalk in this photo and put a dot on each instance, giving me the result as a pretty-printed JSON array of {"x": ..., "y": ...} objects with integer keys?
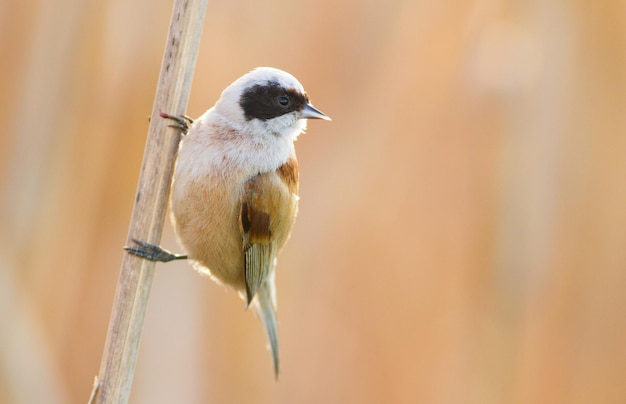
[{"x": 133, "y": 288}]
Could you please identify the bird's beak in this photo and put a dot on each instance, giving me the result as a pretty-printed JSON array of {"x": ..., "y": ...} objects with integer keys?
[{"x": 310, "y": 112}]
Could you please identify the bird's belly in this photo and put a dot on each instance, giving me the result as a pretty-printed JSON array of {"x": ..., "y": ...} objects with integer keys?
[{"x": 206, "y": 219}]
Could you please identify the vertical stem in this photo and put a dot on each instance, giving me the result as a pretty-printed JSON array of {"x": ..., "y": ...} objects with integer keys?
[{"x": 133, "y": 288}]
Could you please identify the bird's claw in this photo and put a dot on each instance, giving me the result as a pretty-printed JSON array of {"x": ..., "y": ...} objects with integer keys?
[
  {"x": 182, "y": 122},
  {"x": 152, "y": 252}
]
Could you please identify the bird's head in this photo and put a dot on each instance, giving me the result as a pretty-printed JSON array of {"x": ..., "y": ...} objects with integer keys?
[{"x": 268, "y": 101}]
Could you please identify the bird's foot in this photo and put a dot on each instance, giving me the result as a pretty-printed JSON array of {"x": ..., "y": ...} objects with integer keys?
[
  {"x": 152, "y": 252},
  {"x": 181, "y": 122}
]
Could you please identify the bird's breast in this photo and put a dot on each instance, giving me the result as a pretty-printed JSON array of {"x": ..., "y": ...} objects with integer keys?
[
  {"x": 205, "y": 214},
  {"x": 213, "y": 167}
]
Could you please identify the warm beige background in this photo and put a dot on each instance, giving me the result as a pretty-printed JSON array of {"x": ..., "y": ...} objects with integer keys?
[{"x": 462, "y": 235}]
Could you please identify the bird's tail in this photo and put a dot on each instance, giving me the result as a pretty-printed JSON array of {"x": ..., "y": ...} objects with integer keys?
[{"x": 264, "y": 305}]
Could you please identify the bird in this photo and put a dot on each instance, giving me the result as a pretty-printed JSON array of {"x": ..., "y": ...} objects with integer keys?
[{"x": 234, "y": 193}]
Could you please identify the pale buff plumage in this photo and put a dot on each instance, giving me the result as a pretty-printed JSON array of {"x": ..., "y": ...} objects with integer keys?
[{"x": 234, "y": 195}]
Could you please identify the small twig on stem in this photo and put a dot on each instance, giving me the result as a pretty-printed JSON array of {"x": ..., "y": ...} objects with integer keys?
[{"x": 133, "y": 288}]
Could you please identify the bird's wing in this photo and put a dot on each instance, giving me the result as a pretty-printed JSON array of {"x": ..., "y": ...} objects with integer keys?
[{"x": 268, "y": 208}]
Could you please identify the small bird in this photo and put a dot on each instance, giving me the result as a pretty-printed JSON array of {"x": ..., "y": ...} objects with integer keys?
[{"x": 234, "y": 194}]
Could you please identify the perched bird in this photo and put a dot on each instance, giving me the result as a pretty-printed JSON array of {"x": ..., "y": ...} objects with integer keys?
[{"x": 234, "y": 194}]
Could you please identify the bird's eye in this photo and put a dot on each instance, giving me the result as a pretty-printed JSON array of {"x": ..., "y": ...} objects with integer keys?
[{"x": 284, "y": 101}]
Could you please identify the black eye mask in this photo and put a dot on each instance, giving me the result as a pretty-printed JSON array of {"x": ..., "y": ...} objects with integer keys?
[{"x": 270, "y": 100}]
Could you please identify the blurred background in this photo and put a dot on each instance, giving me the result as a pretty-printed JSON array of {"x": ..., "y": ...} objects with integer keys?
[{"x": 462, "y": 227}]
